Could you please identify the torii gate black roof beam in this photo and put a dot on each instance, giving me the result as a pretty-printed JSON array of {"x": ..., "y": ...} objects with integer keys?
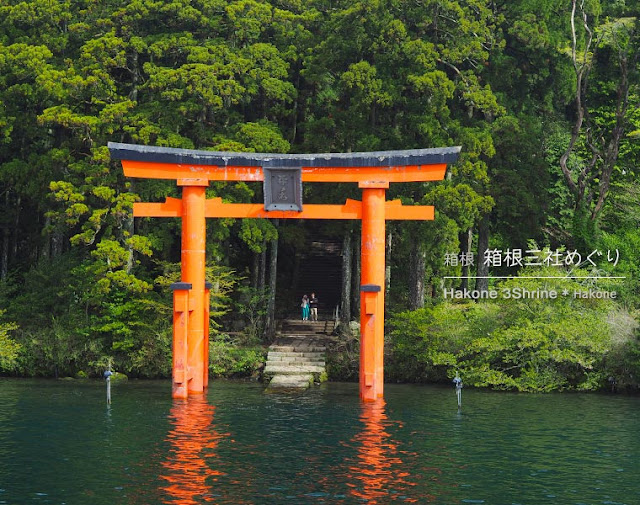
[{"x": 409, "y": 157}]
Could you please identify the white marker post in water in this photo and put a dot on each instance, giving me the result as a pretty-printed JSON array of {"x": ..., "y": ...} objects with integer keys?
[
  {"x": 458, "y": 383},
  {"x": 107, "y": 375}
]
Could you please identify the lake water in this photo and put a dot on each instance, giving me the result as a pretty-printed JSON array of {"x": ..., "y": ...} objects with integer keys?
[{"x": 61, "y": 444}]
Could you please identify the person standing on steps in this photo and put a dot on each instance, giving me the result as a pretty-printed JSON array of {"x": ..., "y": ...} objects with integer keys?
[
  {"x": 313, "y": 305},
  {"x": 305, "y": 307}
]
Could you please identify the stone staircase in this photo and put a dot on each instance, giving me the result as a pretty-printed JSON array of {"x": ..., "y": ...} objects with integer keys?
[
  {"x": 298, "y": 328},
  {"x": 296, "y": 358}
]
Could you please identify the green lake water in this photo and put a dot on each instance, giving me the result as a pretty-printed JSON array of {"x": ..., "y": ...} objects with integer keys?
[{"x": 61, "y": 444}]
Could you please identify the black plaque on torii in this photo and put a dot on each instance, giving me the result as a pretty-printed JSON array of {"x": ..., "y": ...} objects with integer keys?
[{"x": 282, "y": 188}]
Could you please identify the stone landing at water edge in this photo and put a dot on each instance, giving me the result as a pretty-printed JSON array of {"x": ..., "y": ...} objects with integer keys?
[{"x": 295, "y": 362}]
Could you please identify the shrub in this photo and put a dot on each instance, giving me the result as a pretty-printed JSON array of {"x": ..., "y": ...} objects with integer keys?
[
  {"x": 9, "y": 348},
  {"x": 528, "y": 344},
  {"x": 228, "y": 359}
]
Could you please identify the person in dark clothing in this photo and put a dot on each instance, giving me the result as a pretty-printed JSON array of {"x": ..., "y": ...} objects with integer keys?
[{"x": 313, "y": 306}]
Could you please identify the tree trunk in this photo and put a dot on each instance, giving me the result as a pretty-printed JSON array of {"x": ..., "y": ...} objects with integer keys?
[
  {"x": 345, "y": 298},
  {"x": 296, "y": 111},
  {"x": 135, "y": 76},
  {"x": 612, "y": 149},
  {"x": 465, "y": 247},
  {"x": 428, "y": 288},
  {"x": 416, "y": 276},
  {"x": 255, "y": 270},
  {"x": 128, "y": 226},
  {"x": 582, "y": 67},
  {"x": 4, "y": 268},
  {"x": 482, "y": 270},
  {"x": 16, "y": 229},
  {"x": 262, "y": 278},
  {"x": 57, "y": 243},
  {"x": 45, "y": 250},
  {"x": 590, "y": 186},
  {"x": 271, "y": 302}
]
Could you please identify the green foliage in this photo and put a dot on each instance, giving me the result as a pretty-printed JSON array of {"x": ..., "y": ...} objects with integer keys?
[
  {"x": 520, "y": 180},
  {"x": 459, "y": 202},
  {"x": 560, "y": 203},
  {"x": 625, "y": 246},
  {"x": 262, "y": 137},
  {"x": 252, "y": 307},
  {"x": 9, "y": 348},
  {"x": 622, "y": 362},
  {"x": 59, "y": 349},
  {"x": 86, "y": 284},
  {"x": 150, "y": 353},
  {"x": 223, "y": 281},
  {"x": 229, "y": 358},
  {"x": 256, "y": 233},
  {"x": 584, "y": 229},
  {"x": 343, "y": 361},
  {"x": 517, "y": 342}
]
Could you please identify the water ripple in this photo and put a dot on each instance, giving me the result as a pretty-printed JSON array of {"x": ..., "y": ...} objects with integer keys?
[{"x": 59, "y": 443}]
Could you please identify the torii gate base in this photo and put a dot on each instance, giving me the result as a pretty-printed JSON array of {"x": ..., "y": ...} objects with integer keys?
[{"x": 193, "y": 170}]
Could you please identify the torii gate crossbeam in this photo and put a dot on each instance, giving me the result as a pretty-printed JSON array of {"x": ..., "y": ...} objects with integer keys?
[{"x": 193, "y": 170}]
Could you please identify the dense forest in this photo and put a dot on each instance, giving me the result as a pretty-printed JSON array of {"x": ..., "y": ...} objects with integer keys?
[{"x": 542, "y": 95}]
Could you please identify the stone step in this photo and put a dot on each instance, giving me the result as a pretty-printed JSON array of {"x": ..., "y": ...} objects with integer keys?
[
  {"x": 295, "y": 359},
  {"x": 298, "y": 320},
  {"x": 300, "y": 339},
  {"x": 293, "y": 369},
  {"x": 303, "y": 349},
  {"x": 298, "y": 381},
  {"x": 282, "y": 348},
  {"x": 302, "y": 330},
  {"x": 291, "y": 329},
  {"x": 290, "y": 348},
  {"x": 270, "y": 363},
  {"x": 309, "y": 323},
  {"x": 306, "y": 327},
  {"x": 294, "y": 354}
]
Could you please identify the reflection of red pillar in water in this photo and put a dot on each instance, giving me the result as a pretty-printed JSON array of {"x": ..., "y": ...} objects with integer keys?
[
  {"x": 379, "y": 468},
  {"x": 193, "y": 272},
  {"x": 372, "y": 301},
  {"x": 192, "y": 440}
]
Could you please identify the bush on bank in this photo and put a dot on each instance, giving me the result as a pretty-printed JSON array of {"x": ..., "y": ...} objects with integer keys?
[
  {"x": 534, "y": 344},
  {"x": 57, "y": 333},
  {"x": 230, "y": 358},
  {"x": 37, "y": 357},
  {"x": 9, "y": 348}
]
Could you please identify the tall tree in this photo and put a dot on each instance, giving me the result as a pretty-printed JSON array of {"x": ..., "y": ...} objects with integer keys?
[{"x": 605, "y": 61}]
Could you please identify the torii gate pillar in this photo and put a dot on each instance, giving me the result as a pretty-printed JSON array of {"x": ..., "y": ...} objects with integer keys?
[
  {"x": 372, "y": 287},
  {"x": 194, "y": 233}
]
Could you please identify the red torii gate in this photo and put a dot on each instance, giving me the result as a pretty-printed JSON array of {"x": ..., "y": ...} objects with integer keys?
[{"x": 283, "y": 175}]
